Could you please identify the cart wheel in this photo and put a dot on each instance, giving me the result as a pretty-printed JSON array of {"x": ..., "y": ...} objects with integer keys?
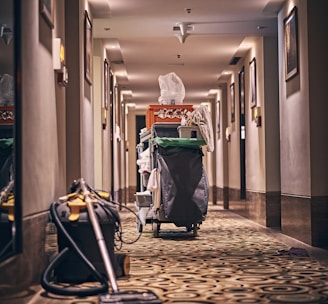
[
  {"x": 195, "y": 229},
  {"x": 189, "y": 228},
  {"x": 156, "y": 227},
  {"x": 139, "y": 226}
]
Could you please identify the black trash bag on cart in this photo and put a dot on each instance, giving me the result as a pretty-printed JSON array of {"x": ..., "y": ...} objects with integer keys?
[{"x": 184, "y": 184}]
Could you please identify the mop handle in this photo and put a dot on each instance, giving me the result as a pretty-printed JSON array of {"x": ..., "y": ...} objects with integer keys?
[{"x": 100, "y": 239}]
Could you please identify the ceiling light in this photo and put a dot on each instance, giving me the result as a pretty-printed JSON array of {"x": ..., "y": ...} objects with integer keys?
[
  {"x": 183, "y": 27},
  {"x": 182, "y": 38}
]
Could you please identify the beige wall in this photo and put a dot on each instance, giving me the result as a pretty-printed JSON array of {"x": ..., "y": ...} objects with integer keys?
[
  {"x": 255, "y": 147},
  {"x": 102, "y": 142},
  {"x": 221, "y": 147},
  {"x": 262, "y": 143},
  {"x": 57, "y": 148},
  {"x": 233, "y": 152},
  {"x": 255, "y": 140},
  {"x": 294, "y": 112},
  {"x": 43, "y": 125},
  {"x": 303, "y": 105},
  {"x": 97, "y": 101}
]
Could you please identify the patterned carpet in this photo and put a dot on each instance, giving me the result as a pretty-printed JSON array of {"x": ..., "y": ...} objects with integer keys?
[{"x": 231, "y": 260}]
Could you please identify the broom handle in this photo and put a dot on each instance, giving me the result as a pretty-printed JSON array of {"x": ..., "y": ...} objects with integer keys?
[{"x": 100, "y": 239}]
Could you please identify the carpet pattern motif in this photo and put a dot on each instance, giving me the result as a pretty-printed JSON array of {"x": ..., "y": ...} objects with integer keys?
[{"x": 229, "y": 261}]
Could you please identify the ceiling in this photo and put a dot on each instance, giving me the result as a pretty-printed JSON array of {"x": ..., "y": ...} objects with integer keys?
[{"x": 142, "y": 43}]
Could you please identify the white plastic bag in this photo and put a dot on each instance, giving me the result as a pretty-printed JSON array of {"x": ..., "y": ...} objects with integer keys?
[
  {"x": 7, "y": 93},
  {"x": 172, "y": 89}
]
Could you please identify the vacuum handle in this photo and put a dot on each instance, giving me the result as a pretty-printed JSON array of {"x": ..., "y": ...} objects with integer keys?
[{"x": 100, "y": 239}]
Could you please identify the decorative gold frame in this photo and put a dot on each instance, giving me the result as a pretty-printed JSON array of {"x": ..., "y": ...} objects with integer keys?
[
  {"x": 218, "y": 114},
  {"x": 47, "y": 11},
  {"x": 106, "y": 84},
  {"x": 233, "y": 100},
  {"x": 87, "y": 48},
  {"x": 252, "y": 70},
  {"x": 291, "y": 44}
]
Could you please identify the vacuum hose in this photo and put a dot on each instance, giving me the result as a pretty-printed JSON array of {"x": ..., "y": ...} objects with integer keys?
[{"x": 47, "y": 275}]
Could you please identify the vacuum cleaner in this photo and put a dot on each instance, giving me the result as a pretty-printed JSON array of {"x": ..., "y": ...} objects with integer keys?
[
  {"x": 7, "y": 220},
  {"x": 102, "y": 215}
]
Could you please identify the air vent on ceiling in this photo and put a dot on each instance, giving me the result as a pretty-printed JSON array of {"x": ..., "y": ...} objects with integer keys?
[{"x": 234, "y": 60}]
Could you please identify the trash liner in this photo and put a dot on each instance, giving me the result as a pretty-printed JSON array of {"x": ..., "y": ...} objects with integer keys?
[
  {"x": 184, "y": 184},
  {"x": 172, "y": 89}
]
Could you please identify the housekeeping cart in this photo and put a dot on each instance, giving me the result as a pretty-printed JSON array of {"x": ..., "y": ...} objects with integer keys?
[{"x": 178, "y": 181}]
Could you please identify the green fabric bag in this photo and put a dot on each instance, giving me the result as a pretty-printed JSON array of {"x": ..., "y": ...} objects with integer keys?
[{"x": 179, "y": 142}]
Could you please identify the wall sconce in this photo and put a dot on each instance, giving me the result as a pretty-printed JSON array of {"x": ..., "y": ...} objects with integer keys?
[
  {"x": 58, "y": 54},
  {"x": 104, "y": 118},
  {"x": 62, "y": 76},
  {"x": 58, "y": 58},
  {"x": 228, "y": 134},
  {"x": 257, "y": 116},
  {"x": 117, "y": 132}
]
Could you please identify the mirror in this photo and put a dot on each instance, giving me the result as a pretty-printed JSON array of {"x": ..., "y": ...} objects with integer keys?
[{"x": 8, "y": 89}]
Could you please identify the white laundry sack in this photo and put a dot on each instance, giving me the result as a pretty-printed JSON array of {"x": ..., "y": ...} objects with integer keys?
[
  {"x": 172, "y": 89},
  {"x": 7, "y": 90}
]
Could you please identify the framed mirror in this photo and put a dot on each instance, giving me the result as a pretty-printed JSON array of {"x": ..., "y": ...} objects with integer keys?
[{"x": 10, "y": 208}]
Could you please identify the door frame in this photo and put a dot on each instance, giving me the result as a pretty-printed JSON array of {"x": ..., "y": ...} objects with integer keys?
[{"x": 242, "y": 130}]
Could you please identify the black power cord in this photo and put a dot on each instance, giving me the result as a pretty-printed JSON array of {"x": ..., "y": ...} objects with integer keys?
[
  {"x": 119, "y": 229},
  {"x": 47, "y": 275},
  {"x": 108, "y": 207}
]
